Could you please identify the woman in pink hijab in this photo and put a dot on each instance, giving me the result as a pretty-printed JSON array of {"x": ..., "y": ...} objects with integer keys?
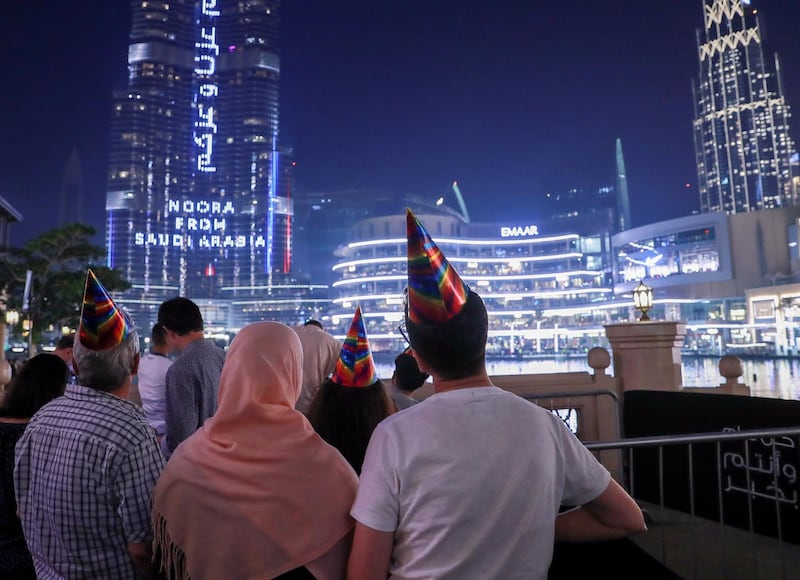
[{"x": 255, "y": 492}]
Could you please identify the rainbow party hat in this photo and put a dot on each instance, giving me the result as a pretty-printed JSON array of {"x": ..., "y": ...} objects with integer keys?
[
  {"x": 436, "y": 292},
  {"x": 355, "y": 367},
  {"x": 103, "y": 324}
]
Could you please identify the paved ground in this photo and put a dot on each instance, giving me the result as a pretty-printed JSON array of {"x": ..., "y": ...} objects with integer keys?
[{"x": 695, "y": 548}]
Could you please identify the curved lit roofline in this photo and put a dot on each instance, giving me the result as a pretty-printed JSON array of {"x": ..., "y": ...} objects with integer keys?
[
  {"x": 277, "y": 287},
  {"x": 368, "y": 297},
  {"x": 287, "y": 301},
  {"x": 398, "y": 298},
  {"x": 457, "y": 259},
  {"x": 469, "y": 242},
  {"x": 351, "y": 281},
  {"x": 465, "y": 277},
  {"x": 154, "y": 287},
  {"x": 395, "y": 316},
  {"x": 528, "y": 333}
]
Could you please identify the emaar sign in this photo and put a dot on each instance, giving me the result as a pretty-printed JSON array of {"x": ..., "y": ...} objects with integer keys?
[{"x": 518, "y": 231}]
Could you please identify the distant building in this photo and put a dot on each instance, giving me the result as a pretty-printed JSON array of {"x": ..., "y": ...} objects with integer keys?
[
  {"x": 550, "y": 287},
  {"x": 595, "y": 186},
  {"x": 734, "y": 279},
  {"x": 8, "y": 216},
  {"x": 72, "y": 192},
  {"x": 199, "y": 198},
  {"x": 323, "y": 219},
  {"x": 547, "y": 289},
  {"x": 741, "y": 127}
]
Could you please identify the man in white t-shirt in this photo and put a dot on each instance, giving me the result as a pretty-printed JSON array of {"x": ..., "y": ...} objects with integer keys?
[
  {"x": 152, "y": 380},
  {"x": 469, "y": 483},
  {"x": 320, "y": 353}
]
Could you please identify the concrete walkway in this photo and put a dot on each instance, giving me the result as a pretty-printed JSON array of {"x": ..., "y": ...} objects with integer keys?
[{"x": 695, "y": 548}]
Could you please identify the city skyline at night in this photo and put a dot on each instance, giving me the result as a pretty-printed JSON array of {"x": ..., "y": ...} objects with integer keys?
[
  {"x": 402, "y": 99},
  {"x": 197, "y": 201}
]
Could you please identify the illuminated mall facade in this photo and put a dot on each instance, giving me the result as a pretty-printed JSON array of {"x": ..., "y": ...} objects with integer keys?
[
  {"x": 545, "y": 292},
  {"x": 729, "y": 277}
]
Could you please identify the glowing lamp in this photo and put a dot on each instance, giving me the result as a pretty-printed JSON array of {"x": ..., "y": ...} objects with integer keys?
[{"x": 643, "y": 300}]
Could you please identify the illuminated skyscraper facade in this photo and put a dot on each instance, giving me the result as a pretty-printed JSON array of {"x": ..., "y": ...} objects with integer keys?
[
  {"x": 199, "y": 199},
  {"x": 741, "y": 125}
]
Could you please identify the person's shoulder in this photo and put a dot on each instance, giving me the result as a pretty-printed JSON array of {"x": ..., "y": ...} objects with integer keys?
[
  {"x": 211, "y": 346},
  {"x": 408, "y": 417}
]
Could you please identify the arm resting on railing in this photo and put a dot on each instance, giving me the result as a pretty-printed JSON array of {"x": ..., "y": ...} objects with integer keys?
[{"x": 612, "y": 514}]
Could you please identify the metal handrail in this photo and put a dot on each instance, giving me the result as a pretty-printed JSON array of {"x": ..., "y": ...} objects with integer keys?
[
  {"x": 690, "y": 438},
  {"x": 570, "y": 394}
]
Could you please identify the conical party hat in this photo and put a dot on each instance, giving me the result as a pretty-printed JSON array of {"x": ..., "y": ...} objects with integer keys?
[
  {"x": 355, "y": 367},
  {"x": 103, "y": 324},
  {"x": 436, "y": 292}
]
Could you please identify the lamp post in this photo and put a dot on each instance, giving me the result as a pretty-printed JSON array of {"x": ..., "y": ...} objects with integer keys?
[{"x": 643, "y": 300}]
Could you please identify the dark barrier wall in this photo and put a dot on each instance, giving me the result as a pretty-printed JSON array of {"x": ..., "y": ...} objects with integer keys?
[{"x": 757, "y": 476}]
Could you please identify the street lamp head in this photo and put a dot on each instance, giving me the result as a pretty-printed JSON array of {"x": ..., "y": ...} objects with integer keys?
[{"x": 643, "y": 300}]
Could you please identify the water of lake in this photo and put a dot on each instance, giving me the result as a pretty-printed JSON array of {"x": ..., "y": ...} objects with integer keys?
[{"x": 774, "y": 378}]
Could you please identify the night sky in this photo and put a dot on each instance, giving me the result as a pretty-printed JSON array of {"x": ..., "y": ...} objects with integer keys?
[{"x": 401, "y": 96}]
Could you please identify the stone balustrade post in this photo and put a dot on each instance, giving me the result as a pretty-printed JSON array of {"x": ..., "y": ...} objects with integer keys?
[
  {"x": 598, "y": 360},
  {"x": 647, "y": 355},
  {"x": 730, "y": 367}
]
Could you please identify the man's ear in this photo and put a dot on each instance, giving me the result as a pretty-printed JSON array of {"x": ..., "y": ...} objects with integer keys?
[
  {"x": 420, "y": 362},
  {"x": 135, "y": 365}
]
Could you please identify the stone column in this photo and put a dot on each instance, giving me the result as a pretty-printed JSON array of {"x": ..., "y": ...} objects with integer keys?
[{"x": 647, "y": 355}]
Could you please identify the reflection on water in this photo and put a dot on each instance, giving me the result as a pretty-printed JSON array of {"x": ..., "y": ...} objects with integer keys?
[{"x": 774, "y": 378}]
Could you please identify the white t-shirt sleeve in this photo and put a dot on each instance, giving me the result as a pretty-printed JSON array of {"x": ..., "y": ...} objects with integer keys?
[
  {"x": 585, "y": 478},
  {"x": 377, "y": 502}
]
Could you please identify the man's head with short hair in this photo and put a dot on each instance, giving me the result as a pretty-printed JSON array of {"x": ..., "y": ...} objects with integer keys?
[
  {"x": 447, "y": 322},
  {"x": 108, "y": 369},
  {"x": 64, "y": 347},
  {"x": 407, "y": 376},
  {"x": 456, "y": 348},
  {"x": 106, "y": 353},
  {"x": 180, "y": 315},
  {"x": 158, "y": 338},
  {"x": 312, "y": 322}
]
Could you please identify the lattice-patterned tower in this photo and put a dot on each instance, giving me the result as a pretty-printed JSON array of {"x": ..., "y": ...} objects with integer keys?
[{"x": 741, "y": 125}]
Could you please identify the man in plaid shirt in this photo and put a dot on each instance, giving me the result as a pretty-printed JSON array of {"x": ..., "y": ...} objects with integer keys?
[{"x": 88, "y": 461}]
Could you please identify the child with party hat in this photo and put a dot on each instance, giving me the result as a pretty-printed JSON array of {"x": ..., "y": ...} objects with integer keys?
[
  {"x": 87, "y": 463},
  {"x": 349, "y": 405},
  {"x": 469, "y": 483}
]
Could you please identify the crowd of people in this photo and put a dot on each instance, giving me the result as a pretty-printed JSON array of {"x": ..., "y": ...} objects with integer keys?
[{"x": 287, "y": 456}]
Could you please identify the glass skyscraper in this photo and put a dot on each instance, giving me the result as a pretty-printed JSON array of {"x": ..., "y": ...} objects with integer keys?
[
  {"x": 199, "y": 191},
  {"x": 741, "y": 123}
]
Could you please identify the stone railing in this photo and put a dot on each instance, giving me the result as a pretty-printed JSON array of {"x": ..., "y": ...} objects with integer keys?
[{"x": 593, "y": 400}]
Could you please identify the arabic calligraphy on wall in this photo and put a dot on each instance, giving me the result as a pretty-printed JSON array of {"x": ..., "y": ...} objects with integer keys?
[{"x": 766, "y": 468}]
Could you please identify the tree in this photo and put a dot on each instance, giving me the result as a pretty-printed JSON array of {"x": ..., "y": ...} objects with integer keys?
[{"x": 58, "y": 260}]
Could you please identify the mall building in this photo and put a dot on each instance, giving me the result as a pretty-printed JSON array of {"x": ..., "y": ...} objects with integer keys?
[
  {"x": 732, "y": 278},
  {"x": 546, "y": 291},
  {"x": 550, "y": 288}
]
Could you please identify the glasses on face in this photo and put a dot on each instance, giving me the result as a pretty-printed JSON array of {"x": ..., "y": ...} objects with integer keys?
[
  {"x": 404, "y": 331},
  {"x": 402, "y": 328}
]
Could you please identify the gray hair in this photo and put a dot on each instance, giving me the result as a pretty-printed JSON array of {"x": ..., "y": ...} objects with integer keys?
[{"x": 106, "y": 370}]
